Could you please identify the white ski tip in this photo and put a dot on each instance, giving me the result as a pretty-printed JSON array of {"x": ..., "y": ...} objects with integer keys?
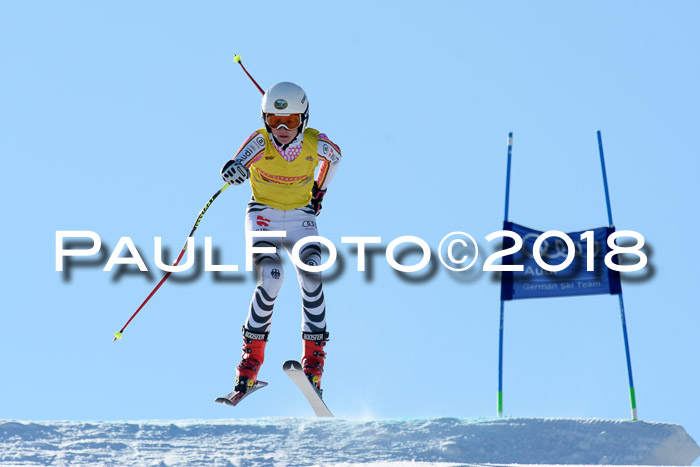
[{"x": 291, "y": 365}]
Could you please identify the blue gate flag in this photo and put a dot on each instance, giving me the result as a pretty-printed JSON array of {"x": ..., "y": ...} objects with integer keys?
[{"x": 535, "y": 282}]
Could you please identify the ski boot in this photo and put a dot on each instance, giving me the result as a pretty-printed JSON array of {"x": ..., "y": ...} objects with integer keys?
[
  {"x": 253, "y": 357},
  {"x": 314, "y": 357}
]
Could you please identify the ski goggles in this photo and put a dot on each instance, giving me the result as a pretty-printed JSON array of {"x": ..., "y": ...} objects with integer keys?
[{"x": 290, "y": 122}]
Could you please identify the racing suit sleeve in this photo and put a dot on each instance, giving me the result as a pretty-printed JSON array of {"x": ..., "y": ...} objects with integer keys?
[
  {"x": 329, "y": 154},
  {"x": 251, "y": 150}
]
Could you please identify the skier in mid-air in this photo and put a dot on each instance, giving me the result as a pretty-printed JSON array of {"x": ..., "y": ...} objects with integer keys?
[{"x": 281, "y": 161}]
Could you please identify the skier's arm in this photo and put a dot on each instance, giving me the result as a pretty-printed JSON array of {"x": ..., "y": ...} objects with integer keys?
[
  {"x": 235, "y": 171},
  {"x": 330, "y": 156},
  {"x": 251, "y": 150}
]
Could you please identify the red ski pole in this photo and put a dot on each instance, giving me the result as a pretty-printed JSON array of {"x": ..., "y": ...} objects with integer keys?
[
  {"x": 118, "y": 335},
  {"x": 237, "y": 59}
]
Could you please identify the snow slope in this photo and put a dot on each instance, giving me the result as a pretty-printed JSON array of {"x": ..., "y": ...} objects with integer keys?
[{"x": 295, "y": 441}]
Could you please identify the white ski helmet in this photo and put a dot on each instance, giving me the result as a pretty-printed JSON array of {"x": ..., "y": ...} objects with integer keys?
[{"x": 285, "y": 99}]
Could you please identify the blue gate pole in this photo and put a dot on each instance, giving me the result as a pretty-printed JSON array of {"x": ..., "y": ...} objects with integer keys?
[
  {"x": 500, "y": 334},
  {"x": 510, "y": 155},
  {"x": 500, "y": 365},
  {"x": 633, "y": 398},
  {"x": 605, "y": 179}
]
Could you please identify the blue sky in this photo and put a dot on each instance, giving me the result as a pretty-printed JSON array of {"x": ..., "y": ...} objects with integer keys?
[{"x": 116, "y": 118}]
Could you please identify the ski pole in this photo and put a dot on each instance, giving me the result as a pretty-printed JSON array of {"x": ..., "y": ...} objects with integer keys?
[
  {"x": 118, "y": 335},
  {"x": 237, "y": 59}
]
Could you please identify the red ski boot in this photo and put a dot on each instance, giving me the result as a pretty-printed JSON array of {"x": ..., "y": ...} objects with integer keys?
[
  {"x": 314, "y": 356},
  {"x": 253, "y": 357}
]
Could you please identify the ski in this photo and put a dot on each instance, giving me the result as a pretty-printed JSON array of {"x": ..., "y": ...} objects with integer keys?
[
  {"x": 293, "y": 369},
  {"x": 233, "y": 398}
]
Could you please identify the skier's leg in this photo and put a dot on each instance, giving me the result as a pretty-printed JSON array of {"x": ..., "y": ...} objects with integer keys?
[
  {"x": 314, "y": 333},
  {"x": 257, "y": 325},
  {"x": 259, "y": 319}
]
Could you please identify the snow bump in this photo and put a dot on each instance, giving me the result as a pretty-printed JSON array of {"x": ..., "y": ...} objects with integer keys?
[{"x": 295, "y": 441}]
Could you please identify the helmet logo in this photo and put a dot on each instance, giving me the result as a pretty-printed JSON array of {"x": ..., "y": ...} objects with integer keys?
[{"x": 280, "y": 104}]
